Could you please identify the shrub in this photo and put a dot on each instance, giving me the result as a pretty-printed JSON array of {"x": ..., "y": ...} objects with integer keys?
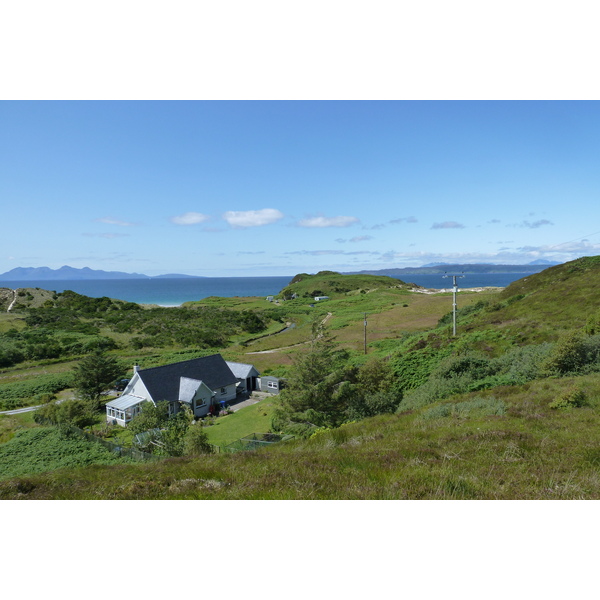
[
  {"x": 567, "y": 356},
  {"x": 45, "y": 398},
  {"x": 435, "y": 389},
  {"x": 574, "y": 398},
  {"x": 474, "y": 365},
  {"x": 69, "y": 412},
  {"x": 196, "y": 441},
  {"x": 592, "y": 326},
  {"x": 522, "y": 364}
]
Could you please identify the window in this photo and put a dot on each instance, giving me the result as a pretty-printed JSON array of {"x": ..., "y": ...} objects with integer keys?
[
  {"x": 272, "y": 384},
  {"x": 223, "y": 391},
  {"x": 200, "y": 402}
]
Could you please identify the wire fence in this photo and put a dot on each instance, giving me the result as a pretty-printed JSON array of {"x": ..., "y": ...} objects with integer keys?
[{"x": 255, "y": 441}]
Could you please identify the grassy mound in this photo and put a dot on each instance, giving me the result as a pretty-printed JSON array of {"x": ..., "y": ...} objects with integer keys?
[{"x": 332, "y": 284}]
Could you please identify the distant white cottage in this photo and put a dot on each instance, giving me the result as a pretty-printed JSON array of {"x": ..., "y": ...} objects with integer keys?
[{"x": 204, "y": 384}]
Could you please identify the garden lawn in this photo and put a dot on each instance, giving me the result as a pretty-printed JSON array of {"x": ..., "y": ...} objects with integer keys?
[{"x": 251, "y": 419}]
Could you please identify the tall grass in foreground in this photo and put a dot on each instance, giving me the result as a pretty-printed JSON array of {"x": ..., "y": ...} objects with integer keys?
[{"x": 509, "y": 444}]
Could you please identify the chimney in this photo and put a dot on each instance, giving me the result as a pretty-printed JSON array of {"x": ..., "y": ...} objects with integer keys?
[{"x": 136, "y": 368}]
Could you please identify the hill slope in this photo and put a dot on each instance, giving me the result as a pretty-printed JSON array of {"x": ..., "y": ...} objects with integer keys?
[
  {"x": 542, "y": 306},
  {"x": 332, "y": 284},
  {"x": 508, "y": 446}
]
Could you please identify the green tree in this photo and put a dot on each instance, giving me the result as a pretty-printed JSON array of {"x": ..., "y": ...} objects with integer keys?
[
  {"x": 94, "y": 374},
  {"x": 173, "y": 435},
  {"x": 196, "y": 441},
  {"x": 377, "y": 390},
  {"x": 314, "y": 394},
  {"x": 152, "y": 417}
]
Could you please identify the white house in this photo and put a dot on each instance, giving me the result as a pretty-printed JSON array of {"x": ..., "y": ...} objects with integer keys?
[{"x": 201, "y": 383}]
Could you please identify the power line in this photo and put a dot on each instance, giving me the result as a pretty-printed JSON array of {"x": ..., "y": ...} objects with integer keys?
[{"x": 575, "y": 240}]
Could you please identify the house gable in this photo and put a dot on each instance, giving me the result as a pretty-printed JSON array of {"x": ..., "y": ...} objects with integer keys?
[
  {"x": 191, "y": 389},
  {"x": 164, "y": 383}
]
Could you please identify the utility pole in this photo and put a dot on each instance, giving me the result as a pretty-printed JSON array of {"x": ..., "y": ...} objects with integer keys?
[
  {"x": 365, "y": 333},
  {"x": 454, "y": 292}
]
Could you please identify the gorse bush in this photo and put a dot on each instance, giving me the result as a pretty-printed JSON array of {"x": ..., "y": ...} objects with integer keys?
[
  {"x": 567, "y": 355},
  {"x": 574, "y": 398}
]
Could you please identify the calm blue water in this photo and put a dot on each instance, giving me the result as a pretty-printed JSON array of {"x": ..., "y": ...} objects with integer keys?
[
  {"x": 173, "y": 292},
  {"x": 166, "y": 292}
]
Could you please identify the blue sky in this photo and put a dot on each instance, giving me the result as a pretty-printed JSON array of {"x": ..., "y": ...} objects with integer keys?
[{"x": 229, "y": 188}]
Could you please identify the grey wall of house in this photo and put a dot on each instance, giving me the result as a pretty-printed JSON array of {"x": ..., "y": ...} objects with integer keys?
[{"x": 269, "y": 384}]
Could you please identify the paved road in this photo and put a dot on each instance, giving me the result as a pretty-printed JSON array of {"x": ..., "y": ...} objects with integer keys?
[{"x": 18, "y": 411}]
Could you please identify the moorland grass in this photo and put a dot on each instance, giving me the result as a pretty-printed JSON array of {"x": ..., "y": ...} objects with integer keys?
[{"x": 531, "y": 451}]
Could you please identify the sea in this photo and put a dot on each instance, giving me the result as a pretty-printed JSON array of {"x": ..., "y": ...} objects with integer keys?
[{"x": 174, "y": 292}]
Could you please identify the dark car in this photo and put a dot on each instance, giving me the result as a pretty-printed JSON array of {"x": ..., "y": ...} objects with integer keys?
[{"x": 121, "y": 384}]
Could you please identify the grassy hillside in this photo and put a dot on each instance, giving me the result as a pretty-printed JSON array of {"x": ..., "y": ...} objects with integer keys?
[
  {"x": 510, "y": 408},
  {"x": 542, "y": 306},
  {"x": 332, "y": 284},
  {"x": 506, "y": 444}
]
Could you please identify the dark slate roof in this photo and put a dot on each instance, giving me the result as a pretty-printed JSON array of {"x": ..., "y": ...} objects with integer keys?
[{"x": 163, "y": 382}]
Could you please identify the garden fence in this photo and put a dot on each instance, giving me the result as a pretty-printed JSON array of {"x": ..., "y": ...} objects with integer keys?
[{"x": 255, "y": 441}]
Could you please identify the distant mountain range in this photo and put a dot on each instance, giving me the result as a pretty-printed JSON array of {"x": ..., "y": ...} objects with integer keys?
[
  {"x": 67, "y": 273},
  {"x": 441, "y": 268}
]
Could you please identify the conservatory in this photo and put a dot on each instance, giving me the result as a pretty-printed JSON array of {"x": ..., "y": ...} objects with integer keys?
[{"x": 121, "y": 410}]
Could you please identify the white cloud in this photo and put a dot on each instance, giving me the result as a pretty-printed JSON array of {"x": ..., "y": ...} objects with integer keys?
[
  {"x": 331, "y": 252},
  {"x": 354, "y": 240},
  {"x": 448, "y": 225},
  {"x": 404, "y": 220},
  {"x": 252, "y": 218},
  {"x": 536, "y": 224},
  {"x": 327, "y": 221},
  {"x": 190, "y": 218},
  {"x": 112, "y": 221}
]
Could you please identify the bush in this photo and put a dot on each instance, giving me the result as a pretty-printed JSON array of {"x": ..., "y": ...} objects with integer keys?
[
  {"x": 570, "y": 399},
  {"x": 435, "y": 389},
  {"x": 475, "y": 365},
  {"x": 567, "y": 356},
  {"x": 196, "y": 441},
  {"x": 44, "y": 398},
  {"x": 522, "y": 364},
  {"x": 68, "y": 412}
]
